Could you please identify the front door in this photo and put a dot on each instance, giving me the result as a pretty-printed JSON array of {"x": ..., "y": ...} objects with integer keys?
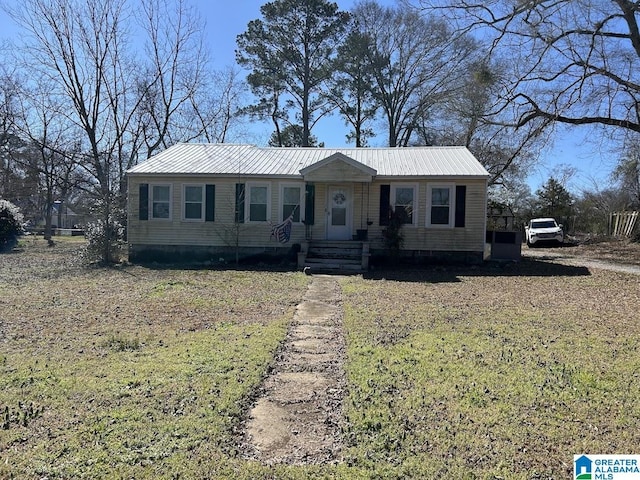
[{"x": 340, "y": 212}]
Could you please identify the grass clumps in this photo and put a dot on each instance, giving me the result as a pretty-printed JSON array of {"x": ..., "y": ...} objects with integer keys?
[
  {"x": 480, "y": 373},
  {"x": 119, "y": 343},
  {"x": 472, "y": 379},
  {"x": 21, "y": 415}
]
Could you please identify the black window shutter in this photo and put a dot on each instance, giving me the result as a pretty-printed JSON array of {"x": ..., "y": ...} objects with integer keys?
[
  {"x": 309, "y": 203},
  {"x": 240, "y": 202},
  {"x": 385, "y": 204},
  {"x": 143, "y": 207},
  {"x": 461, "y": 205},
  {"x": 210, "y": 201}
]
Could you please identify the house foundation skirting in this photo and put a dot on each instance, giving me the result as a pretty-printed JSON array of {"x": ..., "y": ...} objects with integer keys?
[
  {"x": 211, "y": 255},
  {"x": 289, "y": 254},
  {"x": 426, "y": 257}
]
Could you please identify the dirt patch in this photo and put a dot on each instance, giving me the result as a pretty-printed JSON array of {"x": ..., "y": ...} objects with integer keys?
[
  {"x": 618, "y": 255},
  {"x": 614, "y": 250},
  {"x": 297, "y": 418}
]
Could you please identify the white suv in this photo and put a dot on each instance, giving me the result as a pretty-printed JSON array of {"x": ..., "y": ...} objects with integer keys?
[{"x": 544, "y": 230}]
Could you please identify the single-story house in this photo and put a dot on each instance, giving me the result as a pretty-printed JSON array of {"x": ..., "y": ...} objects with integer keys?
[{"x": 215, "y": 201}]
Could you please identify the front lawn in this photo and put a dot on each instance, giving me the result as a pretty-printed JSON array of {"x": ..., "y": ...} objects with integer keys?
[
  {"x": 129, "y": 372},
  {"x": 507, "y": 375},
  {"x": 138, "y": 372}
]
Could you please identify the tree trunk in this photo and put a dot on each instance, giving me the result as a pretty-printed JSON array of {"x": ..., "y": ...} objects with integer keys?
[
  {"x": 305, "y": 118},
  {"x": 392, "y": 136},
  {"x": 47, "y": 223}
]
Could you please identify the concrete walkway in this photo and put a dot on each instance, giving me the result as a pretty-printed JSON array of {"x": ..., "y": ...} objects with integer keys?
[{"x": 296, "y": 420}]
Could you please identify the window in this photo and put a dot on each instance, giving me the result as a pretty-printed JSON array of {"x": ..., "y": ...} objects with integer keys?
[
  {"x": 193, "y": 202},
  {"x": 440, "y": 211},
  {"x": 291, "y": 200},
  {"x": 403, "y": 201},
  {"x": 258, "y": 204},
  {"x": 161, "y": 201}
]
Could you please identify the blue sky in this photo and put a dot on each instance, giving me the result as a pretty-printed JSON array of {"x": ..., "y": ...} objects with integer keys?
[{"x": 574, "y": 147}]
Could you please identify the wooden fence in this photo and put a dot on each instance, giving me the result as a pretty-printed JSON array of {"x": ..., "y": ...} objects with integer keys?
[{"x": 622, "y": 224}]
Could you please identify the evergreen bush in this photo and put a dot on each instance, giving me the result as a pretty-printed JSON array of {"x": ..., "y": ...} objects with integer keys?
[
  {"x": 392, "y": 235},
  {"x": 11, "y": 228}
]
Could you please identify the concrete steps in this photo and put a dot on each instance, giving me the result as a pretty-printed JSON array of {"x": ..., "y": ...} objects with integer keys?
[{"x": 336, "y": 256}]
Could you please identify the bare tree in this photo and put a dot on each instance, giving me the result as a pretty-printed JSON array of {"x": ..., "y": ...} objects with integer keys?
[
  {"x": 79, "y": 48},
  {"x": 573, "y": 61},
  {"x": 594, "y": 208},
  {"x": 48, "y": 156},
  {"x": 416, "y": 64},
  {"x": 127, "y": 103},
  {"x": 479, "y": 119},
  {"x": 215, "y": 111},
  {"x": 176, "y": 71},
  {"x": 10, "y": 175},
  {"x": 626, "y": 175}
]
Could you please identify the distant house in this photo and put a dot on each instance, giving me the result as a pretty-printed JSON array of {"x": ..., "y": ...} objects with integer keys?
[
  {"x": 212, "y": 201},
  {"x": 63, "y": 217}
]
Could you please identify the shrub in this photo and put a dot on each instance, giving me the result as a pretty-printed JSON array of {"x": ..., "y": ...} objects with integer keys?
[
  {"x": 10, "y": 225},
  {"x": 105, "y": 236},
  {"x": 104, "y": 241},
  {"x": 392, "y": 235}
]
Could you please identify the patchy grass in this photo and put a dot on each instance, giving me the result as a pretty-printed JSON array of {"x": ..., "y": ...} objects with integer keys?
[
  {"x": 491, "y": 376},
  {"x": 136, "y": 372},
  {"x": 130, "y": 372}
]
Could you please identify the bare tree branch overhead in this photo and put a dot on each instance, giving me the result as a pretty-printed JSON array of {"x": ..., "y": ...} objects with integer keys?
[{"x": 574, "y": 61}]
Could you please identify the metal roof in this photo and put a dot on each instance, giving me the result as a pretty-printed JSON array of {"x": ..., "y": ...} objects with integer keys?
[{"x": 235, "y": 159}]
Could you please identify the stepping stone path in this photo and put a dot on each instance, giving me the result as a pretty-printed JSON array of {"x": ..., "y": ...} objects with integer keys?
[{"x": 297, "y": 418}]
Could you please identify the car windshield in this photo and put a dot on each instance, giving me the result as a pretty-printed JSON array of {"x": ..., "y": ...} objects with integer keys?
[{"x": 547, "y": 224}]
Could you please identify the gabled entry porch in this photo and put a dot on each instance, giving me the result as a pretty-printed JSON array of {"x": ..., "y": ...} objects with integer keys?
[{"x": 340, "y": 187}]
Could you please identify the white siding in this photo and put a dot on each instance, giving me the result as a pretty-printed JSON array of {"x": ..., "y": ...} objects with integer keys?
[
  {"x": 221, "y": 232},
  {"x": 366, "y": 205}
]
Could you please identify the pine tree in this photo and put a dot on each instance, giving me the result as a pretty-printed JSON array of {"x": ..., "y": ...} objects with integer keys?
[
  {"x": 554, "y": 200},
  {"x": 291, "y": 51}
]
